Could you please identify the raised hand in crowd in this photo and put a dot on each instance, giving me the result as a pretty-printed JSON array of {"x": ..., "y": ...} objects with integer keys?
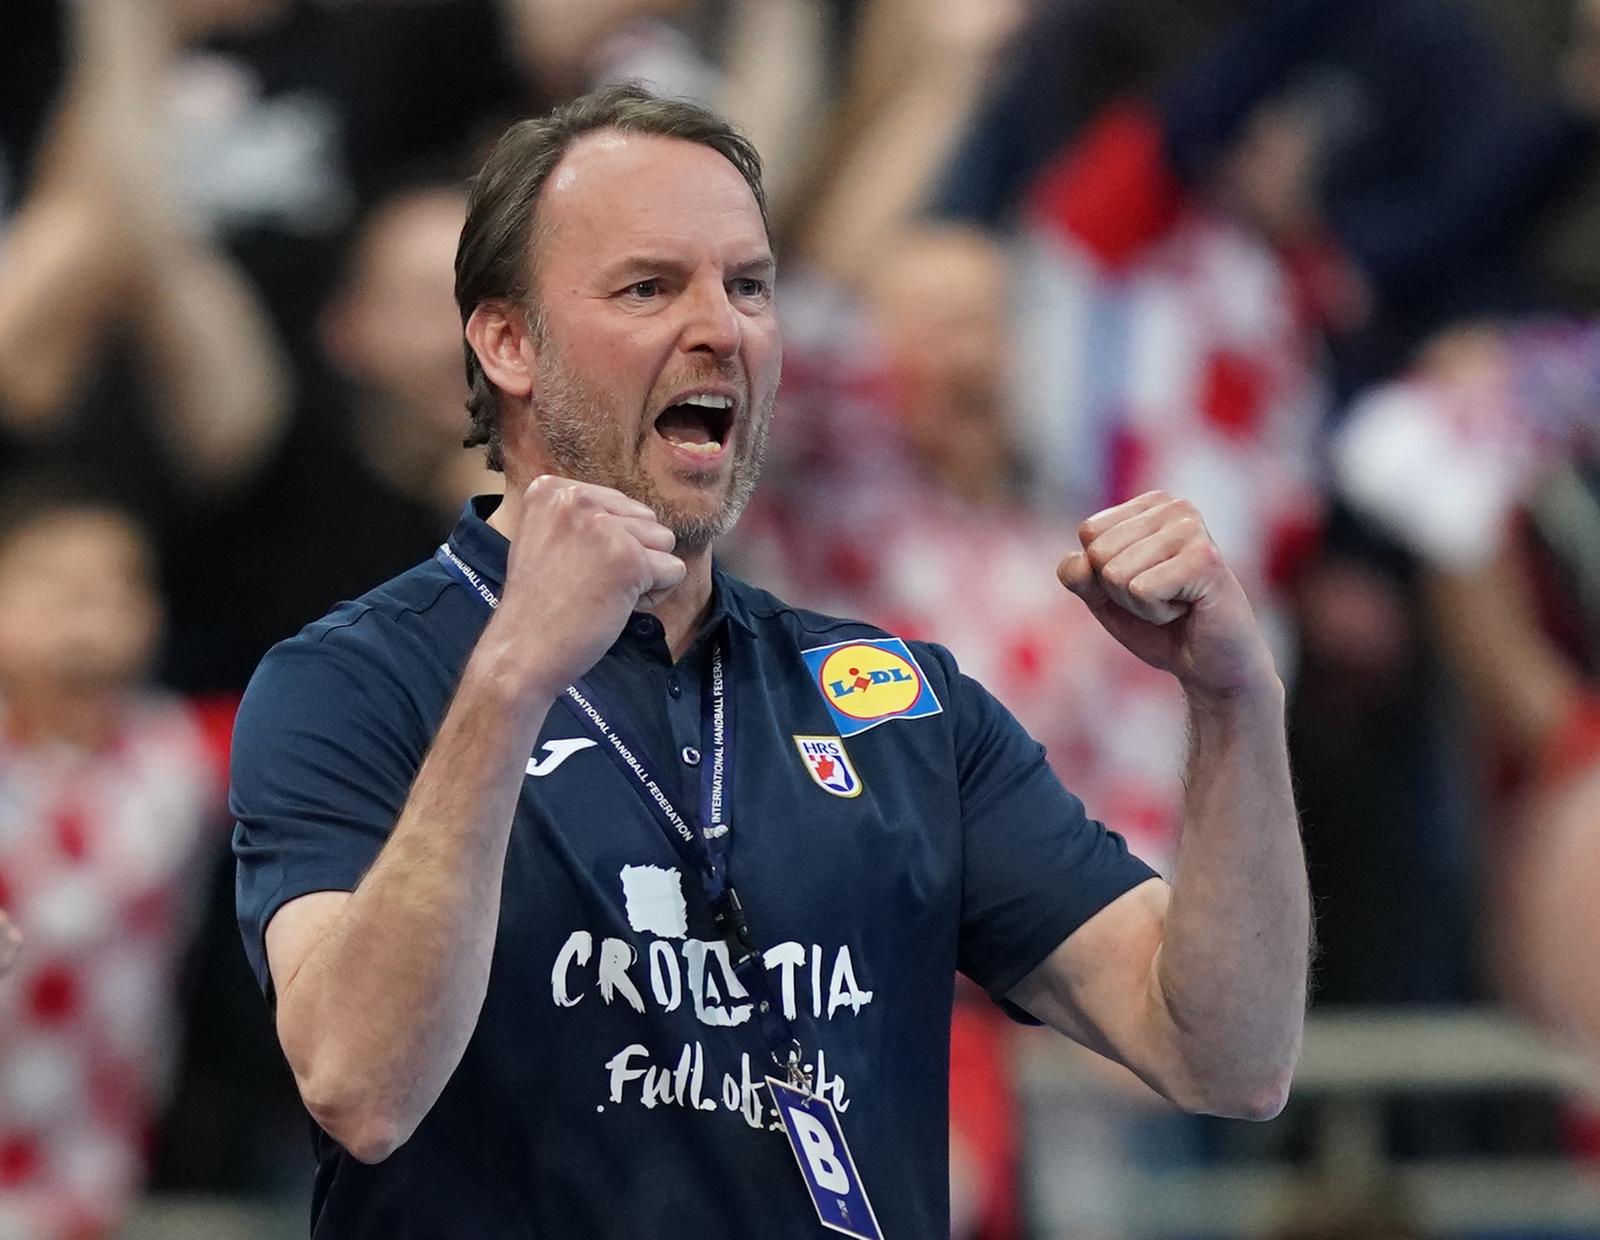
[
  {"x": 102, "y": 241},
  {"x": 557, "y": 40},
  {"x": 917, "y": 73}
]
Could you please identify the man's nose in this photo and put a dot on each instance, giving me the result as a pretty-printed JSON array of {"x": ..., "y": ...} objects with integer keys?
[{"x": 712, "y": 324}]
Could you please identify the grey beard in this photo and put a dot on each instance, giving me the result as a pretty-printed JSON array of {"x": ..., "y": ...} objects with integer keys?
[
  {"x": 574, "y": 427},
  {"x": 695, "y": 534}
]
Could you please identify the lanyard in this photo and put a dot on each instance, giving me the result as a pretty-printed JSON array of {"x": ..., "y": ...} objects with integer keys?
[{"x": 702, "y": 846}]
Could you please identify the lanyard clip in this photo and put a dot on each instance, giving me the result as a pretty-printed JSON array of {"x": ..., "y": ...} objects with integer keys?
[
  {"x": 798, "y": 1075},
  {"x": 730, "y": 920}
]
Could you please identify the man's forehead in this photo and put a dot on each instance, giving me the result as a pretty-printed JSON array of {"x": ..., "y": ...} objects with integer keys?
[
  {"x": 629, "y": 186},
  {"x": 593, "y": 155}
]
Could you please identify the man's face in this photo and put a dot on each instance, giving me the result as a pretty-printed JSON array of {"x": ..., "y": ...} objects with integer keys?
[{"x": 657, "y": 346}]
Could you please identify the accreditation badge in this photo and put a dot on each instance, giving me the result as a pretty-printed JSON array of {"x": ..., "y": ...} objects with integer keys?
[{"x": 825, "y": 1163}]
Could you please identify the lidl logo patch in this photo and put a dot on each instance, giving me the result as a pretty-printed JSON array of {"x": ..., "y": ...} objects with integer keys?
[
  {"x": 829, "y": 764},
  {"x": 866, "y": 683}
]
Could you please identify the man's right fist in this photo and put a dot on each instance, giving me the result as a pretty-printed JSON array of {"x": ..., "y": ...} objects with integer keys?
[{"x": 583, "y": 558}]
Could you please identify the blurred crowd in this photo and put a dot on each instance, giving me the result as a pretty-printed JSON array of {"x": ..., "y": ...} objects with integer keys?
[{"x": 1326, "y": 267}]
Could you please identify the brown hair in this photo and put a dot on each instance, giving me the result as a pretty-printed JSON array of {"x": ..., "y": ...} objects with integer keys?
[{"x": 494, "y": 259}]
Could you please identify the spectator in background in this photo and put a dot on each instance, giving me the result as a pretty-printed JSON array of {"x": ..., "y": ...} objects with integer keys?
[
  {"x": 375, "y": 451},
  {"x": 286, "y": 120},
  {"x": 1484, "y": 461},
  {"x": 1323, "y": 171},
  {"x": 1383, "y": 148},
  {"x": 291, "y": 116},
  {"x": 390, "y": 333},
  {"x": 106, "y": 288},
  {"x": 107, "y": 789}
]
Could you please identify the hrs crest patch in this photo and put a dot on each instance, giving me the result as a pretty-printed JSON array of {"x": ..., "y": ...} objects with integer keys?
[{"x": 829, "y": 765}]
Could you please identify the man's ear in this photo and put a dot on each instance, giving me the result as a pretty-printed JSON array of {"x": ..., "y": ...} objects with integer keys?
[{"x": 499, "y": 334}]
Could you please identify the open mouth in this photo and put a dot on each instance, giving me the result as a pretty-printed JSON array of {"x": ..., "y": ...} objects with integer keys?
[{"x": 697, "y": 424}]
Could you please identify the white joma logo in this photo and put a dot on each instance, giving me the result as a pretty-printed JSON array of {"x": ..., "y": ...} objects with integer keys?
[{"x": 557, "y": 752}]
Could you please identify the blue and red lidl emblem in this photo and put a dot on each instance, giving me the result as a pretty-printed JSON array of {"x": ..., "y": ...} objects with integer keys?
[{"x": 869, "y": 682}]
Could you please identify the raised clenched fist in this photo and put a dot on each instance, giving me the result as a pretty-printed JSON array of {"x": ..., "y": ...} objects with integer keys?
[
  {"x": 1153, "y": 577},
  {"x": 583, "y": 557}
]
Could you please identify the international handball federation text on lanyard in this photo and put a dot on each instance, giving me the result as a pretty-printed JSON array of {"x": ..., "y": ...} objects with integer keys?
[{"x": 809, "y": 1121}]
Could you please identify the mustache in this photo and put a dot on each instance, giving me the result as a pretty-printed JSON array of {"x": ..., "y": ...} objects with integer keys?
[{"x": 730, "y": 372}]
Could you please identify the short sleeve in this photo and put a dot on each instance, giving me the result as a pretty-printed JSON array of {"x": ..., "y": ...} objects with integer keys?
[
  {"x": 325, "y": 749},
  {"x": 1035, "y": 866}
]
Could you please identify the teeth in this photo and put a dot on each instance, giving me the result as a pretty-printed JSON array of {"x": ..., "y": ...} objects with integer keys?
[
  {"x": 707, "y": 401},
  {"x": 710, "y": 448}
]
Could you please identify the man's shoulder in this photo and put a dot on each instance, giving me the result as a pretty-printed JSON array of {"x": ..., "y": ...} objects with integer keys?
[
  {"x": 774, "y": 619},
  {"x": 406, "y": 601},
  {"x": 371, "y": 677},
  {"x": 388, "y": 629},
  {"x": 765, "y": 611}
]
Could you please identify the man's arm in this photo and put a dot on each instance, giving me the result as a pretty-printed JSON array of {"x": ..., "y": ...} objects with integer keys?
[
  {"x": 380, "y": 989},
  {"x": 1200, "y": 989}
]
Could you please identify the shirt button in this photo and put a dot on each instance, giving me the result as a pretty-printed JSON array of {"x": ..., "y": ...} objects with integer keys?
[
  {"x": 642, "y": 626},
  {"x": 673, "y": 687},
  {"x": 691, "y": 755}
]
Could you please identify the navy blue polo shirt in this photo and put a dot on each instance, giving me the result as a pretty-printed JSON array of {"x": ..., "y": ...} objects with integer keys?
[{"x": 890, "y": 824}]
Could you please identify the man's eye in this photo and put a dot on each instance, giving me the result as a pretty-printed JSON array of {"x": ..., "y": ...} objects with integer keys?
[
  {"x": 750, "y": 286},
  {"x": 644, "y": 289}
]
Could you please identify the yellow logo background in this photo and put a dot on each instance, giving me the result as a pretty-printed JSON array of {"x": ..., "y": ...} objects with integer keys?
[{"x": 848, "y": 682}]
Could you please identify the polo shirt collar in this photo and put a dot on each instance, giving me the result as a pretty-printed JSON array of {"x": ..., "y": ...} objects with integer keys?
[
  {"x": 728, "y": 600},
  {"x": 479, "y": 543},
  {"x": 486, "y": 549}
]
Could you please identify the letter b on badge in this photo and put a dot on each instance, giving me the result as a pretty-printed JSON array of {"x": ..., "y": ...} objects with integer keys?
[
  {"x": 817, "y": 1146},
  {"x": 832, "y": 1180}
]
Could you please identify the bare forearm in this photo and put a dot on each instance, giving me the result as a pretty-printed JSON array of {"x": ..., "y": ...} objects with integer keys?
[
  {"x": 1514, "y": 675},
  {"x": 223, "y": 381},
  {"x": 882, "y": 180},
  {"x": 62, "y": 276},
  {"x": 1231, "y": 972},
  {"x": 774, "y": 100},
  {"x": 377, "y": 1016}
]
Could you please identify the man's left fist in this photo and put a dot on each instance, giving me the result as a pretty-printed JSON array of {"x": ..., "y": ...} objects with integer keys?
[{"x": 1157, "y": 583}]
